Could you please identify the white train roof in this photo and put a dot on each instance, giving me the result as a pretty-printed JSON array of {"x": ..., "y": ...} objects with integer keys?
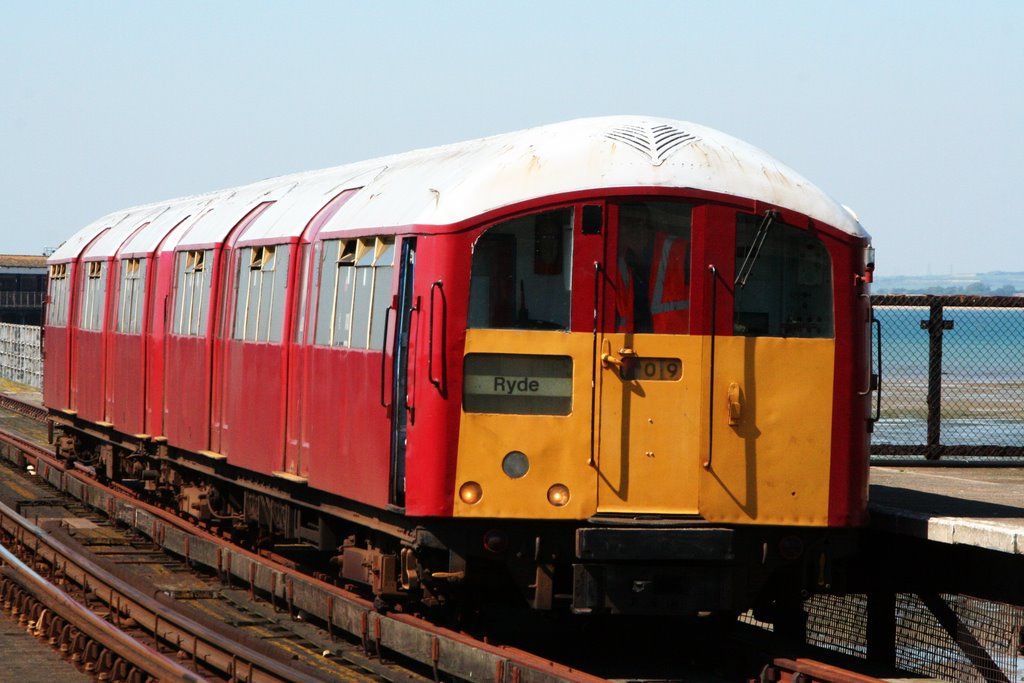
[{"x": 453, "y": 183}]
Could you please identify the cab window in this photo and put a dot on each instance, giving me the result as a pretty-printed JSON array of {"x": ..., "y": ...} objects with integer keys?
[
  {"x": 652, "y": 292},
  {"x": 784, "y": 281},
  {"x": 522, "y": 273}
]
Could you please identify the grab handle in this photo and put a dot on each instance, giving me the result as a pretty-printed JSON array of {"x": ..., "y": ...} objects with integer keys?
[
  {"x": 877, "y": 379},
  {"x": 441, "y": 381}
]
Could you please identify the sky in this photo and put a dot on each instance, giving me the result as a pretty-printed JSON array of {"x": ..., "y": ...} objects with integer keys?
[{"x": 909, "y": 112}]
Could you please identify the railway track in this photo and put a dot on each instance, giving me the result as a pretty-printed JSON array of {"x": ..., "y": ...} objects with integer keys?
[
  {"x": 191, "y": 649},
  {"x": 125, "y": 634}
]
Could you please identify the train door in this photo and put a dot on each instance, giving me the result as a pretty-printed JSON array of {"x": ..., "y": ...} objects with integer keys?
[
  {"x": 649, "y": 367},
  {"x": 400, "y": 366},
  {"x": 769, "y": 418},
  {"x": 525, "y": 433}
]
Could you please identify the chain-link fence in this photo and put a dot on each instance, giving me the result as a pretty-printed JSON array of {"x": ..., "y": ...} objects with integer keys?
[
  {"x": 21, "y": 358},
  {"x": 947, "y": 637},
  {"x": 952, "y": 376}
]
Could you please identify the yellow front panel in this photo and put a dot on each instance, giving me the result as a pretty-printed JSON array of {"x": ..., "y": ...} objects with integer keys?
[
  {"x": 773, "y": 465},
  {"x": 558, "y": 446},
  {"x": 649, "y": 426}
]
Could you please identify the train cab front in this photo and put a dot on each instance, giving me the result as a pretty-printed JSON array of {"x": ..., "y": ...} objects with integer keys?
[{"x": 661, "y": 403}]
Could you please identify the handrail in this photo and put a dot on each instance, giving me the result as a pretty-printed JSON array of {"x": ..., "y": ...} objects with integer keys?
[
  {"x": 711, "y": 382},
  {"x": 593, "y": 366},
  {"x": 441, "y": 382},
  {"x": 878, "y": 382}
]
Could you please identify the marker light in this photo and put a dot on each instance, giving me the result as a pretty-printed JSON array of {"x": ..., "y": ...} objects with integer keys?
[
  {"x": 515, "y": 464},
  {"x": 470, "y": 493},
  {"x": 495, "y": 541},
  {"x": 558, "y": 495}
]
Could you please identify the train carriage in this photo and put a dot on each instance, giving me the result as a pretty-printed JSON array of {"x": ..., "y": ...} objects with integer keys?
[{"x": 620, "y": 364}]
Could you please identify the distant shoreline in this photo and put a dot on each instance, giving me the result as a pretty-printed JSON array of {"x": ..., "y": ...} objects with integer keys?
[{"x": 995, "y": 283}]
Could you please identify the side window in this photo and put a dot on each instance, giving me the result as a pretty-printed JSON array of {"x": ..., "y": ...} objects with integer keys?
[
  {"x": 133, "y": 282},
  {"x": 57, "y": 310},
  {"x": 383, "y": 266},
  {"x": 354, "y": 291},
  {"x": 192, "y": 303},
  {"x": 522, "y": 273},
  {"x": 788, "y": 284},
  {"x": 652, "y": 292},
  {"x": 94, "y": 291},
  {"x": 261, "y": 279}
]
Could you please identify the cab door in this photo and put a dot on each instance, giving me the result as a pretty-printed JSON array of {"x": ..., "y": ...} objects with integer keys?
[
  {"x": 769, "y": 419},
  {"x": 526, "y": 427},
  {"x": 648, "y": 365}
]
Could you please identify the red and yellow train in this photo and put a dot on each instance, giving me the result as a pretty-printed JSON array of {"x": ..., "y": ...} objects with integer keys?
[{"x": 611, "y": 365}]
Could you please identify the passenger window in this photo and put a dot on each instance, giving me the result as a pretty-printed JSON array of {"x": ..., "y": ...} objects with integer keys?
[
  {"x": 383, "y": 264},
  {"x": 522, "y": 273},
  {"x": 129, "y": 311},
  {"x": 653, "y": 259},
  {"x": 57, "y": 311},
  {"x": 788, "y": 283},
  {"x": 262, "y": 277},
  {"x": 94, "y": 292},
  {"x": 193, "y": 292},
  {"x": 363, "y": 294},
  {"x": 354, "y": 292}
]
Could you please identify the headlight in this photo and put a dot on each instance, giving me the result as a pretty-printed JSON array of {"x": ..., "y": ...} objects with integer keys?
[
  {"x": 515, "y": 464},
  {"x": 470, "y": 493},
  {"x": 558, "y": 495}
]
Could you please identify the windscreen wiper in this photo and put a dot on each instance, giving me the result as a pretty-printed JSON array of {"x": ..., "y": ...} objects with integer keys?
[{"x": 755, "y": 248}]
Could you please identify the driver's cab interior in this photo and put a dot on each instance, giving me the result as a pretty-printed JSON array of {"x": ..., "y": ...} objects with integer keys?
[{"x": 522, "y": 273}]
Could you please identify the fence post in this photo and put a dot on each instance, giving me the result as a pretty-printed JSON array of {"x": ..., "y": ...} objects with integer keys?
[{"x": 935, "y": 325}]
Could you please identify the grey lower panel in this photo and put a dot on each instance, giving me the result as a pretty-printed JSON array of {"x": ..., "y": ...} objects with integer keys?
[
  {"x": 641, "y": 589},
  {"x": 644, "y": 543}
]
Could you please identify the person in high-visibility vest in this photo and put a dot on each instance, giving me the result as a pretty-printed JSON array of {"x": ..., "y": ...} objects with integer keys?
[{"x": 654, "y": 276}]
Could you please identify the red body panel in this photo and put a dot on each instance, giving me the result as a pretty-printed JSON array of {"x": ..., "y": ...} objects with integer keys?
[
  {"x": 87, "y": 375},
  {"x": 848, "y": 485},
  {"x": 296, "y": 457},
  {"x": 252, "y": 433},
  {"x": 157, "y": 307},
  {"x": 434, "y": 425},
  {"x": 187, "y": 392},
  {"x": 126, "y": 386},
  {"x": 349, "y": 431},
  {"x": 56, "y": 369}
]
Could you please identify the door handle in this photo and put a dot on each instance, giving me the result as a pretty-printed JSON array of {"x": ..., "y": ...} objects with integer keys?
[{"x": 626, "y": 356}]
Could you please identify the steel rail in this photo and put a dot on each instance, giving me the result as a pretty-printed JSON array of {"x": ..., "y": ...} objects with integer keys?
[
  {"x": 440, "y": 649},
  {"x": 124, "y": 601},
  {"x": 61, "y": 605},
  {"x": 810, "y": 671}
]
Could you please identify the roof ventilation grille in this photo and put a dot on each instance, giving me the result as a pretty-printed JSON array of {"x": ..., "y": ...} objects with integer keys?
[{"x": 657, "y": 143}]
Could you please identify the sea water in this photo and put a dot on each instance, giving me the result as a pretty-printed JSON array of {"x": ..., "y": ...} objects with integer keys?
[{"x": 982, "y": 376}]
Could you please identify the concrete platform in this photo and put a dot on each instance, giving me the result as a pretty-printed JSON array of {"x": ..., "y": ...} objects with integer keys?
[
  {"x": 22, "y": 392},
  {"x": 976, "y": 506}
]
